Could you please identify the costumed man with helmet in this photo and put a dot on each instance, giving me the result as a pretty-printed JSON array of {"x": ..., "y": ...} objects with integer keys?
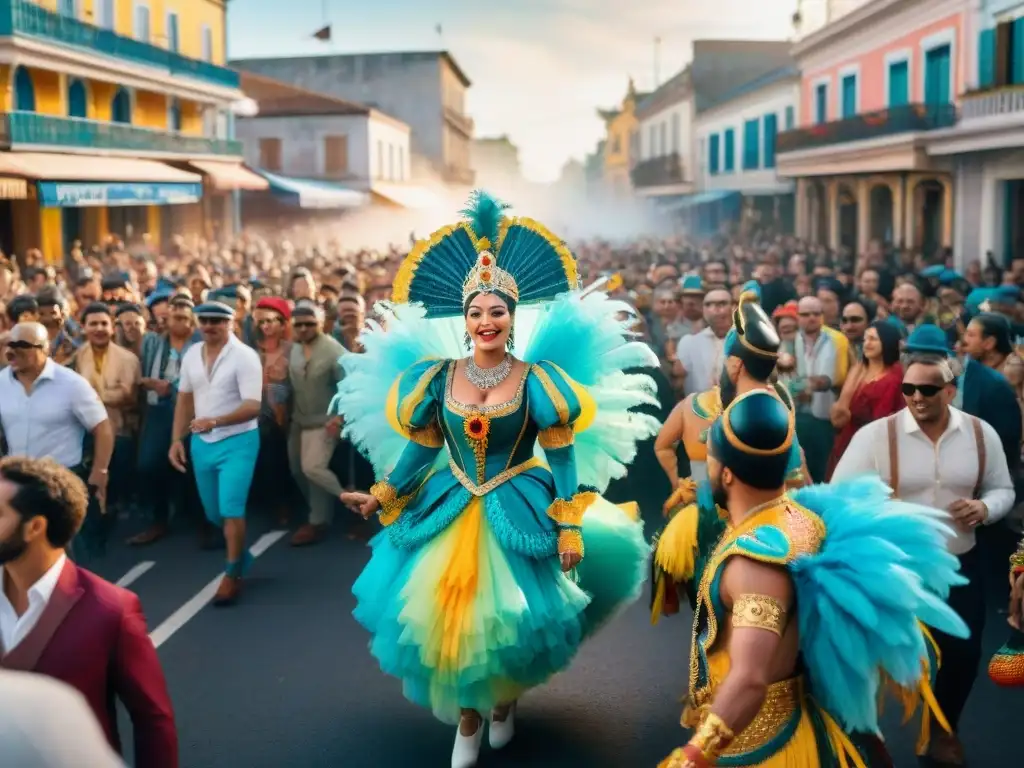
[
  {"x": 751, "y": 352},
  {"x": 811, "y": 601}
]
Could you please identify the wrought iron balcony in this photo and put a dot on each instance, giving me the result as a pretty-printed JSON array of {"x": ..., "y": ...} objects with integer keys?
[
  {"x": 25, "y": 18},
  {"x": 910, "y": 118},
  {"x": 23, "y": 130},
  {"x": 658, "y": 171},
  {"x": 993, "y": 102}
]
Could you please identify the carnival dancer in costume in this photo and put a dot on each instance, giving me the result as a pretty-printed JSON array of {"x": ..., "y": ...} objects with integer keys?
[
  {"x": 751, "y": 350},
  {"x": 498, "y": 557},
  {"x": 1007, "y": 665},
  {"x": 811, "y": 600}
]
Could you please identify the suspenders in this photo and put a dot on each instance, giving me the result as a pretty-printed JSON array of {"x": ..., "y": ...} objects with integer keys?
[{"x": 894, "y": 455}]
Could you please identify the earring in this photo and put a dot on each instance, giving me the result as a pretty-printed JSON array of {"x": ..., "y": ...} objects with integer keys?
[
  {"x": 469, "y": 341},
  {"x": 511, "y": 343}
]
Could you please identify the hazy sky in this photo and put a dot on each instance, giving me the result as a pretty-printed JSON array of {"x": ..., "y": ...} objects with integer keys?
[{"x": 540, "y": 68}]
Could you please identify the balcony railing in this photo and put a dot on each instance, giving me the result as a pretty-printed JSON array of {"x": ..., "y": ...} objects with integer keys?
[
  {"x": 22, "y": 17},
  {"x": 23, "y": 129},
  {"x": 658, "y": 171},
  {"x": 870, "y": 125},
  {"x": 992, "y": 102}
]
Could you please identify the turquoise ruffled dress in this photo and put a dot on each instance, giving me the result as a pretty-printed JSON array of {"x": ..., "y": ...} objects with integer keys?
[{"x": 464, "y": 594}]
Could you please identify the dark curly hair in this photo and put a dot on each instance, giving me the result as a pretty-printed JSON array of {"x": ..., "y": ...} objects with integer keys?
[{"x": 48, "y": 490}]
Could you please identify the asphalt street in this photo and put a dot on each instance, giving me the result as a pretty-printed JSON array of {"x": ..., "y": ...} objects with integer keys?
[{"x": 284, "y": 679}]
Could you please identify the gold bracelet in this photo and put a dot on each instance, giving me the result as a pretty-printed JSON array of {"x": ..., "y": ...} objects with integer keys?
[
  {"x": 570, "y": 540},
  {"x": 391, "y": 505},
  {"x": 712, "y": 737},
  {"x": 759, "y": 612}
]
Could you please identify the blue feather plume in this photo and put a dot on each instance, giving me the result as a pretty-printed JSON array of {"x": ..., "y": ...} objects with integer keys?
[
  {"x": 883, "y": 569},
  {"x": 484, "y": 213}
]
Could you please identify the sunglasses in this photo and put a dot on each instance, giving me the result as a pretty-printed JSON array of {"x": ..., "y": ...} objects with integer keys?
[
  {"x": 854, "y": 319},
  {"x": 23, "y": 345},
  {"x": 304, "y": 325},
  {"x": 926, "y": 390}
]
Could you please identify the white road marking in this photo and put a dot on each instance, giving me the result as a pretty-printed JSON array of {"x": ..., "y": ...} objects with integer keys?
[
  {"x": 188, "y": 611},
  {"x": 133, "y": 575}
]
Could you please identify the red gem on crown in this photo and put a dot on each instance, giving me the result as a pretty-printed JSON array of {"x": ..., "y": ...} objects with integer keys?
[{"x": 485, "y": 260}]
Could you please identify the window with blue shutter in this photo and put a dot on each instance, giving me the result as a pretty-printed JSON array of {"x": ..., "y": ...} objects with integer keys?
[
  {"x": 899, "y": 83},
  {"x": 937, "y": 76},
  {"x": 713, "y": 154},
  {"x": 849, "y": 91},
  {"x": 751, "y": 145},
  {"x": 821, "y": 104},
  {"x": 986, "y": 58},
  {"x": 1017, "y": 52},
  {"x": 790, "y": 118},
  {"x": 771, "y": 129},
  {"x": 729, "y": 164}
]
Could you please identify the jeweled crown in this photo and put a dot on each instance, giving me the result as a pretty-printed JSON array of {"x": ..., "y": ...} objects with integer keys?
[{"x": 487, "y": 277}]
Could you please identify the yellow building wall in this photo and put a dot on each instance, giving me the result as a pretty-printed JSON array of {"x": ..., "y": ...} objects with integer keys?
[
  {"x": 7, "y": 90},
  {"x": 150, "y": 110},
  {"x": 51, "y": 240},
  {"x": 100, "y": 96},
  {"x": 191, "y": 118},
  {"x": 49, "y": 94}
]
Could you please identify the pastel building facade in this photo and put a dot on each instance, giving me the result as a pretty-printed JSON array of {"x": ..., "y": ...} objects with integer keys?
[
  {"x": 875, "y": 83},
  {"x": 985, "y": 149}
]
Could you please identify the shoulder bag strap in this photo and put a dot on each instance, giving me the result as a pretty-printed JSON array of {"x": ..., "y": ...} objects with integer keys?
[
  {"x": 894, "y": 456},
  {"x": 979, "y": 440}
]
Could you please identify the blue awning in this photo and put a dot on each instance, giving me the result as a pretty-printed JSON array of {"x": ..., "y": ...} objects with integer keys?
[
  {"x": 703, "y": 198},
  {"x": 79, "y": 194},
  {"x": 312, "y": 193}
]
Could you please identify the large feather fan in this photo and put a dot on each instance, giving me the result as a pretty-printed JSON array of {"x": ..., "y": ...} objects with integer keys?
[{"x": 884, "y": 566}]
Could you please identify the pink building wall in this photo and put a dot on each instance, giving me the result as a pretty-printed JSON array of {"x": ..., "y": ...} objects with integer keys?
[{"x": 873, "y": 67}]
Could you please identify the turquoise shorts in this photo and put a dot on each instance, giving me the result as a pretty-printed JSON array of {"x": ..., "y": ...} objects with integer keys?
[{"x": 224, "y": 472}]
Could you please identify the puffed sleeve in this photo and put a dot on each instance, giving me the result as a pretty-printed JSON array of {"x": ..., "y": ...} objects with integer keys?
[
  {"x": 555, "y": 406},
  {"x": 413, "y": 410}
]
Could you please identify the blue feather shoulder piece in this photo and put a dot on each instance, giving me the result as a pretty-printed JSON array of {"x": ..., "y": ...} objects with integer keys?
[
  {"x": 882, "y": 570},
  {"x": 585, "y": 336}
]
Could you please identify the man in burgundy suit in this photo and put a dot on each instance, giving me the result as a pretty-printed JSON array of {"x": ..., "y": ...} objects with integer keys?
[{"x": 60, "y": 620}]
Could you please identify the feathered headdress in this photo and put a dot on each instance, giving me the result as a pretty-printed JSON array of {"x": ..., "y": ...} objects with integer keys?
[{"x": 487, "y": 252}]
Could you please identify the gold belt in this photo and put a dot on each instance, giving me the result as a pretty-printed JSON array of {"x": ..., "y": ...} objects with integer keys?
[
  {"x": 494, "y": 482},
  {"x": 781, "y": 704}
]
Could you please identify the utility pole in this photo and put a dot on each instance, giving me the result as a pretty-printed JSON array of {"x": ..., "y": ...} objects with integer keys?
[{"x": 657, "y": 62}]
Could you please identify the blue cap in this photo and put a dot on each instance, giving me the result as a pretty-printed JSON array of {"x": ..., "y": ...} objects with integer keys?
[
  {"x": 928, "y": 338},
  {"x": 1006, "y": 294},
  {"x": 692, "y": 284},
  {"x": 977, "y": 297},
  {"x": 935, "y": 270},
  {"x": 947, "y": 276},
  {"x": 158, "y": 297},
  {"x": 214, "y": 309}
]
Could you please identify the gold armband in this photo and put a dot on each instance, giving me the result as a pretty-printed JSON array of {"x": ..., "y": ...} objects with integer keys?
[
  {"x": 570, "y": 540},
  {"x": 556, "y": 437},
  {"x": 712, "y": 737},
  {"x": 759, "y": 612},
  {"x": 429, "y": 436},
  {"x": 391, "y": 504},
  {"x": 570, "y": 512}
]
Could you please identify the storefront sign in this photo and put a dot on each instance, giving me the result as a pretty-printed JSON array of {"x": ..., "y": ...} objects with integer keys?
[
  {"x": 60, "y": 194},
  {"x": 13, "y": 189}
]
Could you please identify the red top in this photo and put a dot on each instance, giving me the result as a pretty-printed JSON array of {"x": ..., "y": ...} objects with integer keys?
[{"x": 872, "y": 401}]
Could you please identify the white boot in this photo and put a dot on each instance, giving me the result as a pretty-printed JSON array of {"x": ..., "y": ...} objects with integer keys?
[
  {"x": 467, "y": 748},
  {"x": 502, "y": 731}
]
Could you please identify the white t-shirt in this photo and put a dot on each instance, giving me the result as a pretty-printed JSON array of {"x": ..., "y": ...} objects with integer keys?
[{"x": 237, "y": 375}]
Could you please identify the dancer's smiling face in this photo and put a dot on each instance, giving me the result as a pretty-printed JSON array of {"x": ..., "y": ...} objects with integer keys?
[{"x": 488, "y": 321}]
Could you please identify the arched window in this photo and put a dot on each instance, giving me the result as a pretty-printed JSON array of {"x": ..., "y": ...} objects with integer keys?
[
  {"x": 24, "y": 91},
  {"x": 174, "y": 116},
  {"x": 78, "y": 100},
  {"x": 121, "y": 107}
]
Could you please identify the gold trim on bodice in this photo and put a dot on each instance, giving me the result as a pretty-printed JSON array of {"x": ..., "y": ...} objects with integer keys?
[
  {"x": 494, "y": 410},
  {"x": 494, "y": 482}
]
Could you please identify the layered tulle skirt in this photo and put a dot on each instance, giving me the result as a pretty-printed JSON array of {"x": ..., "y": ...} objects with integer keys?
[{"x": 466, "y": 622}]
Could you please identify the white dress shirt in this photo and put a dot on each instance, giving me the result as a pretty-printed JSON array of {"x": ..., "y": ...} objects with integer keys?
[
  {"x": 237, "y": 375},
  {"x": 47, "y": 724},
  {"x": 701, "y": 355},
  {"x": 15, "y": 628},
  {"x": 52, "y": 418},
  {"x": 935, "y": 474},
  {"x": 817, "y": 359}
]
